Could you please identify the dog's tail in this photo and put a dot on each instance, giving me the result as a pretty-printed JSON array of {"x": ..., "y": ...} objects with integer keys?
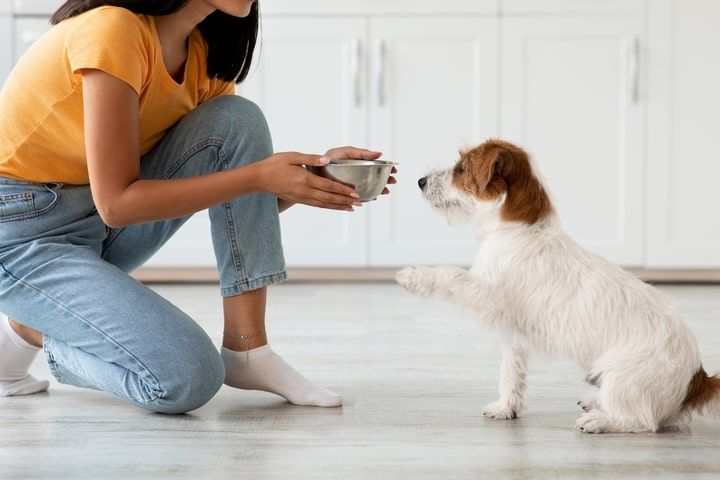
[{"x": 703, "y": 395}]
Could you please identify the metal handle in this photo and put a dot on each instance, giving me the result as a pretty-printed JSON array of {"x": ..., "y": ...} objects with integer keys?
[
  {"x": 356, "y": 54},
  {"x": 633, "y": 77},
  {"x": 380, "y": 72}
]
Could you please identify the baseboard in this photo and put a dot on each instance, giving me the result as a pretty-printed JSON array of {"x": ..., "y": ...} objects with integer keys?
[{"x": 209, "y": 275}]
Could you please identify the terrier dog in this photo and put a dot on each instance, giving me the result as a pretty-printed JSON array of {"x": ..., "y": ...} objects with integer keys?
[{"x": 546, "y": 294}]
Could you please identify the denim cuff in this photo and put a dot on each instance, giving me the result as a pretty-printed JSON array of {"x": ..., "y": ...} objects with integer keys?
[
  {"x": 248, "y": 285},
  {"x": 52, "y": 364}
]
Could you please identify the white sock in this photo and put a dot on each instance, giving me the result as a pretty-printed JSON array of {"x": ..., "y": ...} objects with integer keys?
[
  {"x": 263, "y": 369},
  {"x": 16, "y": 356}
]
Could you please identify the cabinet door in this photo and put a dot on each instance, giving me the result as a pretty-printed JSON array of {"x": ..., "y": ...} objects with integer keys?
[
  {"x": 6, "y": 53},
  {"x": 683, "y": 223},
  {"x": 572, "y": 96},
  {"x": 311, "y": 85},
  {"x": 309, "y": 81},
  {"x": 433, "y": 91}
]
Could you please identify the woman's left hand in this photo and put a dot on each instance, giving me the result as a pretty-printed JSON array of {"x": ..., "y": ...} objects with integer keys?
[{"x": 340, "y": 153}]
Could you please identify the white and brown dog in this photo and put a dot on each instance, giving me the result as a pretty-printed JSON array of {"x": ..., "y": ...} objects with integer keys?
[{"x": 546, "y": 294}]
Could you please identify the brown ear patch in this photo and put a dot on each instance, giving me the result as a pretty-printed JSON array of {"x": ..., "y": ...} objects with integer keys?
[
  {"x": 496, "y": 167},
  {"x": 475, "y": 174},
  {"x": 701, "y": 390}
]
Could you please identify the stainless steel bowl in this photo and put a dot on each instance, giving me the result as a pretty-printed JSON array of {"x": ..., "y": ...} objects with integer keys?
[{"x": 368, "y": 177}]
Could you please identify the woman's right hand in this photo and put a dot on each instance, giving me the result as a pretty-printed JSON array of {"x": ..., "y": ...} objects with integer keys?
[{"x": 284, "y": 176}]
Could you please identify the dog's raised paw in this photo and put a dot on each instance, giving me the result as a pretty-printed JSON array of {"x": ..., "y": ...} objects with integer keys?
[
  {"x": 499, "y": 411},
  {"x": 414, "y": 280}
]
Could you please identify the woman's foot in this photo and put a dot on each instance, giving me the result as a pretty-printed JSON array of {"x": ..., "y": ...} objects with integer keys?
[
  {"x": 16, "y": 356},
  {"x": 262, "y": 369}
]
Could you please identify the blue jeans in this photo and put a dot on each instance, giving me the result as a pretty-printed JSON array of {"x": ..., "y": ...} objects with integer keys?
[{"x": 65, "y": 273}]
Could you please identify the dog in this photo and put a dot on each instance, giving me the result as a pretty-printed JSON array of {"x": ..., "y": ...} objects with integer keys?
[{"x": 546, "y": 294}]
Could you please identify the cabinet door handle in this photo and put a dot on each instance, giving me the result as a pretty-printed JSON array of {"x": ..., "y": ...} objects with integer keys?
[
  {"x": 356, "y": 55},
  {"x": 380, "y": 53},
  {"x": 633, "y": 75}
]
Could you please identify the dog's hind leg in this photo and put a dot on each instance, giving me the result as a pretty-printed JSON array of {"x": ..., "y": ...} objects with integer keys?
[
  {"x": 513, "y": 372},
  {"x": 634, "y": 397},
  {"x": 617, "y": 409},
  {"x": 598, "y": 421}
]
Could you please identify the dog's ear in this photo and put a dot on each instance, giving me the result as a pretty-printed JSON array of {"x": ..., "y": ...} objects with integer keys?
[
  {"x": 484, "y": 169},
  {"x": 504, "y": 159},
  {"x": 526, "y": 199}
]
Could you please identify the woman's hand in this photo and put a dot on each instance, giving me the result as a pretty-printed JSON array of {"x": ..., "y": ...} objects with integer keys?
[{"x": 284, "y": 176}]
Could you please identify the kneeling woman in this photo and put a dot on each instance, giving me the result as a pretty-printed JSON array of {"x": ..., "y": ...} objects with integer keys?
[{"x": 116, "y": 126}]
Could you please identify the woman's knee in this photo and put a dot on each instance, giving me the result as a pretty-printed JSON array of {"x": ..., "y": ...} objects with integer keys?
[
  {"x": 190, "y": 381},
  {"x": 245, "y": 131}
]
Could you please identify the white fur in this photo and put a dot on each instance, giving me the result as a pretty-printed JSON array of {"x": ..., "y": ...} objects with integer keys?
[{"x": 548, "y": 295}]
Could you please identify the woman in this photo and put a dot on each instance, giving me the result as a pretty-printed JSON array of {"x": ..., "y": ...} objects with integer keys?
[{"x": 117, "y": 126}]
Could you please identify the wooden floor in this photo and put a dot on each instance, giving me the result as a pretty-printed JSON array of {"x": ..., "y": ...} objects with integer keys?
[{"x": 415, "y": 375}]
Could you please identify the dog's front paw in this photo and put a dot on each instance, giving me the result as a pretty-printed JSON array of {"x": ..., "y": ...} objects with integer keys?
[
  {"x": 417, "y": 280},
  {"x": 425, "y": 281},
  {"x": 500, "y": 411}
]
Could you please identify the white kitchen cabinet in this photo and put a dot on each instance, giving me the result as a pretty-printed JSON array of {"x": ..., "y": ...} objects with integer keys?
[
  {"x": 684, "y": 163},
  {"x": 310, "y": 83},
  {"x": 6, "y": 53},
  {"x": 411, "y": 80},
  {"x": 616, "y": 100},
  {"x": 572, "y": 95},
  {"x": 434, "y": 84}
]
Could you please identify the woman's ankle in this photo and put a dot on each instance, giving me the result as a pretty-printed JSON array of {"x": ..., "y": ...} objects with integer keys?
[
  {"x": 33, "y": 337},
  {"x": 240, "y": 345}
]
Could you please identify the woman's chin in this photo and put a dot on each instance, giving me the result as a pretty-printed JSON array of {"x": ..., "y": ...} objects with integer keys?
[{"x": 241, "y": 11}]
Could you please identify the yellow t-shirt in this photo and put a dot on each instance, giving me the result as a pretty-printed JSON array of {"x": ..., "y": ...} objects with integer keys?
[{"x": 41, "y": 104}]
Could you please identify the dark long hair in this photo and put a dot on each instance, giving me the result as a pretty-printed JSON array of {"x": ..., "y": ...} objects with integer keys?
[{"x": 231, "y": 40}]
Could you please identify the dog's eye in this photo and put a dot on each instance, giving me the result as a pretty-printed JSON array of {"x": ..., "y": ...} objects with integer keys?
[{"x": 459, "y": 168}]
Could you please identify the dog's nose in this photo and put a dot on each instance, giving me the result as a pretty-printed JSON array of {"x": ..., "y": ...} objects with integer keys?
[{"x": 422, "y": 182}]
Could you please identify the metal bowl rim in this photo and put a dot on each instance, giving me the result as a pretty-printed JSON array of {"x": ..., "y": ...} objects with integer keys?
[{"x": 351, "y": 162}]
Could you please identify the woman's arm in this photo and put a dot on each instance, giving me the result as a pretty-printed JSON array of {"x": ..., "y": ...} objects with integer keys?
[{"x": 122, "y": 198}]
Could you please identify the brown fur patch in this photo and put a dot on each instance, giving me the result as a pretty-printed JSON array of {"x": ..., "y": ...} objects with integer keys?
[
  {"x": 701, "y": 390},
  {"x": 495, "y": 167}
]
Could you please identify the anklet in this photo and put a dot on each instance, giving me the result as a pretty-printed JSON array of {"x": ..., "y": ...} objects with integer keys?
[{"x": 245, "y": 338}]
